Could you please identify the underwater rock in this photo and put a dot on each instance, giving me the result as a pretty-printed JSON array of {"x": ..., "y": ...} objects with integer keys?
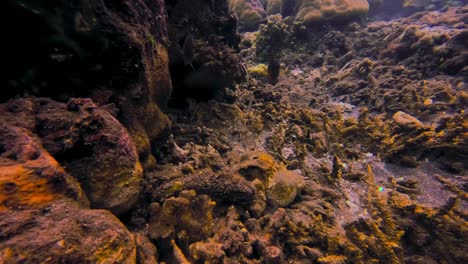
[
  {"x": 223, "y": 187},
  {"x": 273, "y": 184},
  {"x": 278, "y": 175},
  {"x": 215, "y": 66},
  {"x": 61, "y": 232},
  {"x": 250, "y": 13},
  {"x": 284, "y": 188},
  {"x": 188, "y": 213},
  {"x": 257, "y": 165},
  {"x": 203, "y": 172},
  {"x": 405, "y": 120},
  {"x": 146, "y": 252},
  {"x": 319, "y": 11},
  {"x": 93, "y": 146},
  {"x": 309, "y": 12},
  {"x": 43, "y": 214},
  {"x": 210, "y": 252},
  {"x": 30, "y": 177},
  {"x": 75, "y": 56}
]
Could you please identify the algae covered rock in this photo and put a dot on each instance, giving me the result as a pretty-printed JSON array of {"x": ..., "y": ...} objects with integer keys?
[
  {"x": 29, "y": 176},
  {"x": 317, "y": 11},
  {"x": 310, "y": 12},
  {"x": 95, "y": 148},
  {"x": 75, "y": 56},
  {"x": 188, "y": 213},
  {"x": 257, "y": 165},
  {"x": 43, "y": 214},
  {"x": 260, "y": 70},
  {"x": 273, "y": 183},
  {"x": 146, "y": 251},
  {"x": 405, "y": 120},
  {"x": 64, "y": 233},
  {"x": 208, "y": 252},
  {"x": 284, "y": 7},
  {"x": 284, "y": 188},
  {"x": 250, "y": 13}
]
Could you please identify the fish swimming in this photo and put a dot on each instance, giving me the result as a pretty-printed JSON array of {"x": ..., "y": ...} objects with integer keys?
[{"x": 188, "y": 50}]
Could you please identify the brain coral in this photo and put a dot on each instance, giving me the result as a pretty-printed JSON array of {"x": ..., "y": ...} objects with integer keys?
[
  {"x": 250, "y": 13},
  {"x": 313, "y": 11}
]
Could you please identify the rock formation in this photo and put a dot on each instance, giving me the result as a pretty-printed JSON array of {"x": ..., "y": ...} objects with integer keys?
[
  {"x": 314, "y": 139},
  {"x": 43, "y": 211}
]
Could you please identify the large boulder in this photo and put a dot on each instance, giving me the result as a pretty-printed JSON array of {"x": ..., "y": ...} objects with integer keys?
[
  {"x": 92, "y": 145},
  {"x": 64, "y": 233},
  {"x": 43, "y": 215}
]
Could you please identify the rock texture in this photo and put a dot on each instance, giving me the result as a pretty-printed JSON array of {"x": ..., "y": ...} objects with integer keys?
[
  {"x": 316, "y": 11},
  {"x": 64, "y": 233},
  {"x": 43, "y": 215},
  {"x": 310, "y": 12},
  {"x": 354, "y": 156},
  {"x": 207, "y": 67},
  {"x": 94, "y": 147},
  {"x": 115, "y": 57},
  {"x": 30, "y": 177},
  {"x": 250, "y": 13},
  {"x": 113, "y": 52},
  {"x": 355, "y": 153}
]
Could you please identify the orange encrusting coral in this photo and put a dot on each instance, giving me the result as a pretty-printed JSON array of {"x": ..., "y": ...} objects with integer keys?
[{"x": 21, "y": 188}]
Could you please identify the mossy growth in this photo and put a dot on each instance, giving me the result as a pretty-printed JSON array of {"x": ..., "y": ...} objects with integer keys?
[
  {"x": 260, "y": 70},
  {"x": 151, "y": 40},
  {"x": 278, "y": 34}
]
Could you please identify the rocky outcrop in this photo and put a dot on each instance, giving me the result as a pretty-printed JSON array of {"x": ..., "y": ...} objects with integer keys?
[
  {"x": 93, "y": 146},
  {"x": 113, "y": 52},
  {"x": 30, "y": 177},
  {"x": 203, "y": 39},
  {"x": 43, "y": 215},
  {"x": 64, "y": 233}
]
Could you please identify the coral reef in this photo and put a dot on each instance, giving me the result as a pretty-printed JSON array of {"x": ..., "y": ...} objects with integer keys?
[
  {"x": 313, "y": 11},
  {"x": 249, "y": 12},
  {"x": 310, "y": 12},
  {"x": 312, "y": 140},
  {"x": 327, "y": 173}
]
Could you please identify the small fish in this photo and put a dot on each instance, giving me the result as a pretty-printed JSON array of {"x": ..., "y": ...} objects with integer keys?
[
  {"x": 416, "y": 3},
  {"x": 188, "y": 50}
]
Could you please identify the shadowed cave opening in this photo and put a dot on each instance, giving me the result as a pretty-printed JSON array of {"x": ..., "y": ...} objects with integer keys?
[{"x": 193, "y": 82}]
